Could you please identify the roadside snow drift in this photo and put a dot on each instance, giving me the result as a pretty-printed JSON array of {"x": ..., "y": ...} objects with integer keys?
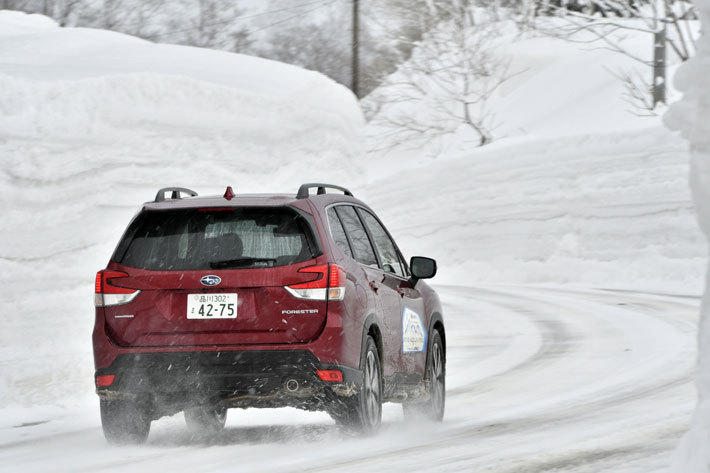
[
  {"x": 92, "y": 124},
  {"x": 575, "y": 188},
  {"x": 690, "y": 116}
]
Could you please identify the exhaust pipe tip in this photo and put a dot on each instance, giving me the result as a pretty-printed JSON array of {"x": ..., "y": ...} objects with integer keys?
[{"x": 292, "y": 385}]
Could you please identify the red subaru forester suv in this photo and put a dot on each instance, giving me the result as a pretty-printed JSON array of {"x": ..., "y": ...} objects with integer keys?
[{"x": 210, "y": 303}]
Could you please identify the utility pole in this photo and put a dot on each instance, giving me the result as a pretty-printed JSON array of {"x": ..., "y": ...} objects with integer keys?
[
  {"x": 659, "y": 54},
  {"x": 659, "y": 66},
  {"x": 355, "y": 68}
]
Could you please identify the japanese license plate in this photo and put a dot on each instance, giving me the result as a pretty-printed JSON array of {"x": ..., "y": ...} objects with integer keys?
[{"x": 212, "y": 306}]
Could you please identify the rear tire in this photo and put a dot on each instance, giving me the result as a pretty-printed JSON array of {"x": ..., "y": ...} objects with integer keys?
[
  {"x": 363, "y": 412},
  {"x": 124, "y": 422},
  {"x": 206, "y": 419},
  {"x": 433, "y": 408}
]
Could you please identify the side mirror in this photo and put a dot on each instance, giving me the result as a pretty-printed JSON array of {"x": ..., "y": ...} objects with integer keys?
[{"x": 421, "y": 268}]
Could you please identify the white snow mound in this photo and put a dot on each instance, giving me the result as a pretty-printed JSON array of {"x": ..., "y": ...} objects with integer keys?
[
  {"x": 92, "y": 124},
  {"x": 574, "y": 189}
]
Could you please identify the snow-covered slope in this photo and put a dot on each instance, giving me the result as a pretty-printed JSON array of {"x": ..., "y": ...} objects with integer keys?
[
  {"x": 605, "y": 210},
  {"x": 575, "y": 189},
  {"x": 92, "y": 123}
]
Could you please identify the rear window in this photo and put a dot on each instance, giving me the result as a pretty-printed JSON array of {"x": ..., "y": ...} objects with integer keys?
[{"x": 189, "y": 239}]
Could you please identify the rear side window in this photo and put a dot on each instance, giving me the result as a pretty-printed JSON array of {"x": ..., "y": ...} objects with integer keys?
[
  {"x": 338, "y": 232},
  {"x": 358, "y": 236},
  {"x": 189, "y": 239},
  {"x": 385, "y": 246}
]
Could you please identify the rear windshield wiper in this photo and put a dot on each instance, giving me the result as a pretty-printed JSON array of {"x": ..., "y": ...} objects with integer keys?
[{"x": 239, "y": 262}]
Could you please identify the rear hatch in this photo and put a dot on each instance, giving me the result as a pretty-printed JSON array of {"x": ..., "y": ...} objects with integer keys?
[{"x": 216, "y": 276}]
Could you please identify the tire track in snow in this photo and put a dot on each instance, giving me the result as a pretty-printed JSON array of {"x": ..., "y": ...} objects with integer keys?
[
  {"x": 535, "y": 409},
  {"x": 557, "y": 338}
]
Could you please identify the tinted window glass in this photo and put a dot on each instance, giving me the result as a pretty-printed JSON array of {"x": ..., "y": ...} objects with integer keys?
[
  {"x": 358, "y": 237},
  {"x": 336, "y": 229},
  {"x": 385, "y": 247},
  {"x": 216, "y": 239}
]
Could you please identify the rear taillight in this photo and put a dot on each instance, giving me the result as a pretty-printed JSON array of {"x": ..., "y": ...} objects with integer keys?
[
  {"x": 107, "y": 294},
  {"x": 328, "y": 286}
]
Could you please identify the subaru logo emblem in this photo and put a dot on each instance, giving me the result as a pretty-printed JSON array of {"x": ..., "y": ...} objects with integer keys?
[{"x": 210, "y": 280}]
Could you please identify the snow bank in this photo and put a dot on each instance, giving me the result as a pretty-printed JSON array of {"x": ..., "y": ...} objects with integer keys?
[
  {"x": 610, "y": 210},
  {"x": 690, "y": 116},
  {"x": 92, "y": 123},
  {"x": 17, "y": 22},
  {"x": 576, "y": 189}
]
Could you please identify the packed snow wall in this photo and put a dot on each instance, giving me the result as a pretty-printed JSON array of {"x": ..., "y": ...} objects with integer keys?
[
  {"x": 690, "y": 116},
  {"x": 92, "y": 124},
  {"x": 575, "y": 189}
]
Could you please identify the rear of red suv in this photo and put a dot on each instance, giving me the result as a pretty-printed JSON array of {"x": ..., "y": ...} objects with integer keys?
[{"x": 229, "y": 301}]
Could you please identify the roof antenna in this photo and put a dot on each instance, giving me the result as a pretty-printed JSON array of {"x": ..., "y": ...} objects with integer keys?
[{"x": 229, "y": 193}]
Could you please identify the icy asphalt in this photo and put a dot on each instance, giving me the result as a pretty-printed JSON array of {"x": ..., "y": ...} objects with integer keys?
[{"x": 538, "y": 379}]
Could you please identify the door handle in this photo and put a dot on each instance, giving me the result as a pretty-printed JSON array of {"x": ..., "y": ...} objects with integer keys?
[
  {"x": 374, "y": 286},
  {"x": 400, "y": 291}
]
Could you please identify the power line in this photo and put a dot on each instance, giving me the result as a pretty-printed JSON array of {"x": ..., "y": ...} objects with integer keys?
[
  {"x": 246, "y": 17},
  {"x": 277, "y": 11},
  {"x": 328, "y": 3}
]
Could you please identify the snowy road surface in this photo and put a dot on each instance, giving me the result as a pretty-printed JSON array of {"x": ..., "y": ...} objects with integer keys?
[{"x": 539, "y": 379}]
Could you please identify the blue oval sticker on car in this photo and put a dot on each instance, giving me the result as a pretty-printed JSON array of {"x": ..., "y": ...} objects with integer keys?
[{"x": 210, "y": 280}]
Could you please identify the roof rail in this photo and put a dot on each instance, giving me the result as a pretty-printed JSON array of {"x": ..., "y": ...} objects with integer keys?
[
  {"x": 303, "y": 190},
  {"x": 176, "y": 191}
]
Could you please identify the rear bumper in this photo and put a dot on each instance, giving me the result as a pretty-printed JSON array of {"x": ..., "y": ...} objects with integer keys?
[
  {"x": 171, "y": 381},
  {"x": 339, "y": 343}
]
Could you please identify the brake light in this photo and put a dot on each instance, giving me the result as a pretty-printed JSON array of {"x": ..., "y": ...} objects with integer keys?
[
  {"x": 105, "y": 294},
  {"x": 329, "y": 285}
]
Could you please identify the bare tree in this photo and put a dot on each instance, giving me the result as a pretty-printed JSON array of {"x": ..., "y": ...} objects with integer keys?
[
  {"x": 141, "y": 21},
  {"x": 242, "y": 41},
  {"x": 134, "y": 17},
  {"x": 317, "y": 37},
  {"x": 65, "y": 12},
  {"x": 665, "y": 21},
  {"x": 390, "y": 30},
  {"x": 111, "y": 11},
  {"x": 23, "y": 5},
  {"x": 320, "y": 45},
  {"x": 45, "y": 7},
  {"x": 527, "y": 14},
  {"x": 636, "y": 94},
  {"x": 205, "y": 23},
  {"x": 405, "y": 22},
  {"x": 445, "y": 85}
]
